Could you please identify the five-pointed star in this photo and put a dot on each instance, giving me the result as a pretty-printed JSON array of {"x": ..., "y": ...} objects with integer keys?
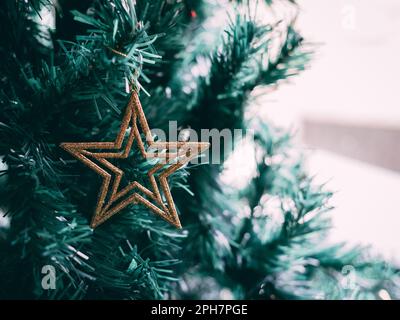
[{"x": 173, "y": 154}]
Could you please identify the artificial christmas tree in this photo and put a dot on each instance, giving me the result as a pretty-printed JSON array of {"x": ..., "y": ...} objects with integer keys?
[{"x": 194, "y": 62}]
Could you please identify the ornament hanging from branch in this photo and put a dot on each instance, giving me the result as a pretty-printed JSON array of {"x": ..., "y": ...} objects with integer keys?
[{"x": 170, "y": 157}]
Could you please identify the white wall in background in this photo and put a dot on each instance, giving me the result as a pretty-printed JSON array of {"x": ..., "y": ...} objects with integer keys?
[
  {"x": 355, "y": 73},
  {"x": 353, "y": 79}
]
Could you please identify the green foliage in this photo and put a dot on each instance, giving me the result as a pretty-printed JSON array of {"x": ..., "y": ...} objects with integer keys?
[{"x": 262, "y": 242}]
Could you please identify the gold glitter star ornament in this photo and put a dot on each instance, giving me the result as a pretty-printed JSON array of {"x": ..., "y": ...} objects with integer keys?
[{"x": 170, "y": 157}]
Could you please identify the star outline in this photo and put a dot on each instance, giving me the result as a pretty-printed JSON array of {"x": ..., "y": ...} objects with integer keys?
[{"x": 185, "y": 151}]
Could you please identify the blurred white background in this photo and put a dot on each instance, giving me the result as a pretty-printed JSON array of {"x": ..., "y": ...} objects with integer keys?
[{"x": 346, "y": 110}]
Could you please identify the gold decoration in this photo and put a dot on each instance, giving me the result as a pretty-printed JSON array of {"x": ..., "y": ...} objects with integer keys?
[{"x": 170, "y": 157}]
